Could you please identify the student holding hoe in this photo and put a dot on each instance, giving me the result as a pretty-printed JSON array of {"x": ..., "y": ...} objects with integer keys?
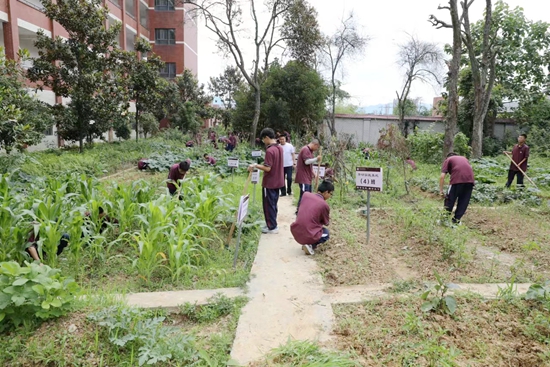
[
  {"x": 308, "y": 229},
  {"x": 273, "y": 179},
  {"x": 520, "y": 154}
]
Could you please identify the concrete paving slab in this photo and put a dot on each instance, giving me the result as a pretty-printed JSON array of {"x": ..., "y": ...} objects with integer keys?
[{"x": 171, "y": 300}]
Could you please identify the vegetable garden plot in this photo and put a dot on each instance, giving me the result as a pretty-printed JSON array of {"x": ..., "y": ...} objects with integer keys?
[{"x": 157, "y": 242}]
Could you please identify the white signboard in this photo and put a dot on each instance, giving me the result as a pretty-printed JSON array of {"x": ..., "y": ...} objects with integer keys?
[
  {"x": 370, "y": 179},
  {"x": 256, "y": 153},
  {"x": 322, "y": 170},
  {"x": 243, "y": 209},
  {"x": 233, "y": 162},
  {"x": 255, "y": 178}
]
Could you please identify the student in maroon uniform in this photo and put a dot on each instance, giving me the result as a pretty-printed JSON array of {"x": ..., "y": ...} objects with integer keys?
[
  {"x": 520, "y": 154},
  {"x": 177, "y": 172},
  {"x": 273, "y": 178},
  {"x": 308, "y": 228},
  {"x": 461, "y": 184},
  {"x": 231, "y": 142},
  {"x": 210, "y": 160},
  {"x": 304, "y": 168}
]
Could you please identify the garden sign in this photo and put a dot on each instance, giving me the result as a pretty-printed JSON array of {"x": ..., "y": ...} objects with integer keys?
[{"x": 369, "y": 179}]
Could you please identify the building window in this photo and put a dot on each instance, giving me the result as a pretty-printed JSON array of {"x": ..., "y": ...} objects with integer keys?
[
  {"x": 169, "y": 70},
  {"x": 165, "y": 36},
  {"x": 164, "y": 5},
  {"x": 49, "y": 131}
]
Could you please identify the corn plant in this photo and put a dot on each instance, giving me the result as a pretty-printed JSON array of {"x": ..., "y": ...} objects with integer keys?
[{"x": 185, "y": 252}]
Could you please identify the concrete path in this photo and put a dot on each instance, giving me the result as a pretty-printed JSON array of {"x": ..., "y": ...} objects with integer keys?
[
  {"x": 286, "y": 296},
  {"x": 171, "y": 300},
  {"x": 361, "y": 293}
]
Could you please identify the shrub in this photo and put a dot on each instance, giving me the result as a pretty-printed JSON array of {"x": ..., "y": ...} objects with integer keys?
[
  {"x": 427, "y": 146},
  {"x": 33, "y": 292}
]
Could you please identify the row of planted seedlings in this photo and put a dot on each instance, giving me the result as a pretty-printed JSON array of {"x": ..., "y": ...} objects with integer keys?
[{"x": 157, "y": 234}]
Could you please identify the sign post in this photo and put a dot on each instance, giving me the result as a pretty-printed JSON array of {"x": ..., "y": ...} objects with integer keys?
[
  {"x": 369, "y": 179},
  {"x": 232, "y": 163},
  {"x": 255, "y": 179},
  {"x": 241, "y": 214},
  {"x": 321, "y": 168},
  {"x": 255, "y": 174}
]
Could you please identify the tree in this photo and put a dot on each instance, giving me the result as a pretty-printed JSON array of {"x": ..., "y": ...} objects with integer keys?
[
  {"x": 420, "y": 61},
  {"x": 23, "y": 119},
  {"x": 85, "y": 68},
  {"x": 225, "y": 86},
  {"x": 451, "y": 116},
  {"x": 149, "y": 124},
  {"x": 405, "y": 108},
  {"x": 192, "y": 103},
  {"x": 345, "y": 43},
  {"x": 301, "y": 31},
  {"x": 224, "y": 19},
  {"x": 294, "y": 99},
  {"x": 143, "y": 77}
]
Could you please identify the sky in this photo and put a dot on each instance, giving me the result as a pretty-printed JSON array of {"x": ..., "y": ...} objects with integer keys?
[{"x": 374, "y": 77}]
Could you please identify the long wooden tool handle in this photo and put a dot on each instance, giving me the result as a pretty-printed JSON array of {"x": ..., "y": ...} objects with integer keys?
[
  {"x": 523, "y": 172},
  {"x": 237, "y": 214},
  {"x": 318, "y": 170}
]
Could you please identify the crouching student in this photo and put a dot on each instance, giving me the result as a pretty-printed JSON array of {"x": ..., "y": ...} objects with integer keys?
[
  {"x": 209, "y": 160},
  {"x": 177, "y": 172},
  {"x": 308, "y": 229},
  {"x": 32, "y": 245}
]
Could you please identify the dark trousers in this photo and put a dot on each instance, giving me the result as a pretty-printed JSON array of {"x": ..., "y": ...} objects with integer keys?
[
  {"x": 288, "y": 177},
  {"x": 324, "y": 238},
  {"x": 511, "y": 174},
  {"x": 270, "y": 197},
  {"x": 461, "y": 192},
  {"x": 303, "y": 188},
  {"x": 229, "y": 147}
]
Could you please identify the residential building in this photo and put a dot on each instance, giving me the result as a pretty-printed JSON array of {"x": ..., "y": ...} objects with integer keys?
[{"x": 165, "y": 24}]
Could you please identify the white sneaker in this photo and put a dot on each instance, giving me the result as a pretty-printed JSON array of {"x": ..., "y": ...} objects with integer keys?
[
  {"x": 308, "y": 249},
  {"x": 270, "y": 231}
]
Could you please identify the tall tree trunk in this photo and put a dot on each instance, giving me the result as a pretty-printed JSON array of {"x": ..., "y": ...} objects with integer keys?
[
  {"x": 257, "y": 106},
  {"x": 137, "y": 118},
  {"x": 332, "y": 120},
  {"x": 451, "y": 121}
]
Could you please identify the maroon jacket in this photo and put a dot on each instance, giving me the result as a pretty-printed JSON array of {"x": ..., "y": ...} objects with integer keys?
[{"x": 314, "y": 213}]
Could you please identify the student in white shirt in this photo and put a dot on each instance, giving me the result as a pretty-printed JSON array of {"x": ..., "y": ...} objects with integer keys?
[{"x": 289, "y": 157}]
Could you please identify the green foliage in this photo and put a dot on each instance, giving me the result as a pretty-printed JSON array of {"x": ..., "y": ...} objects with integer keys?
[
  {"x": 538, "y": 291},
  {"x": 297, "y": 353},
  {"x": 149, "y": 125},
  {"x": 440, "y": 301},
  {"x": 73, "y": 69},
  {"x": 302, "y": 33},
  {"x": 33, "y": 292},
  {"x": 217, "y": 306},
  {"x": 426, "y": 146},
  {"x": 410, "y": 109},
  {"x": 294, "y": 98},
  {"x": 23, "y": 119},
  {"x": 152, "y": 341}
]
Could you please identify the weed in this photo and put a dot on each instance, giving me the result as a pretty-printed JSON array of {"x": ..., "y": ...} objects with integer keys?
[
  {"x": 403, "y": 286},
  {"x": 296, "y": 353},
  {"x": 216, "y": 307},
  {"x": 440, "y": 301},
  {"x": 413, "y": 324},
  {"x": 508, "y": 292}
]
